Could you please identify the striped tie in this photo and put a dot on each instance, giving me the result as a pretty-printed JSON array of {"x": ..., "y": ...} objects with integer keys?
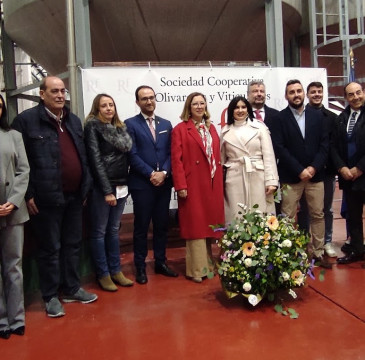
[{"x": 352, "y": 123}]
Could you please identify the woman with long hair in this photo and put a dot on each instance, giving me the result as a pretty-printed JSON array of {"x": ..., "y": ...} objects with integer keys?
[
  {"x": 107, "y": 144},
  {"x": 14, "y": 178}
]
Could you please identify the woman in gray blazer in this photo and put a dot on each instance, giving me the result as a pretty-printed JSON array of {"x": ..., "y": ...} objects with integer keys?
[{"x": 14, "y": 176}]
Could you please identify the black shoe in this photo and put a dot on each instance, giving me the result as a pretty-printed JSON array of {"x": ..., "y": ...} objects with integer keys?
[
  {"x": 346, "y": 248},
  {"x": 322, "y": 262},
  {"x": 141, "y": 276},
  {"x": 350, "y": 258},
  {"x": 19, "y": 331},
  {"x": 5, "y": 334},
  {"x": 163, "y": 269}
]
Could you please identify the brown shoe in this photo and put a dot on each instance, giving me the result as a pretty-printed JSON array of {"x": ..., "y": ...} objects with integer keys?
[
  {"x": 121, "y": 280},
  {"x": 322, "y": 262},
  {"x": 107, "y": 284}
]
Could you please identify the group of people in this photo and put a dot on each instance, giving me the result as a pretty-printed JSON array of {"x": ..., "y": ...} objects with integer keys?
[{"x": 56, "y": 168}]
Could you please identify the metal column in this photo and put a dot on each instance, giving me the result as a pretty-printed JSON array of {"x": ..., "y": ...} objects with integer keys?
[{"x": 274, "y": 32}]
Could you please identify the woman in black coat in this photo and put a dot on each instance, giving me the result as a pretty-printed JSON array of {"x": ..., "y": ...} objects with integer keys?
[{"x": 107, "y": 145}]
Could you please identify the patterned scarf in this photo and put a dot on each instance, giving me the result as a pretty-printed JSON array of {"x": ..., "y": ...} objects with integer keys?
[{"x": 208, "y": 146}]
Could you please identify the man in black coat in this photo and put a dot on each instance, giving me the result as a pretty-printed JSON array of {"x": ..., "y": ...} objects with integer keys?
[
  {"x": 315, "y": 98},
  {"x": 58, "y": 185},
  {"x": 348, "y": 156},
  {"x": 301, "y": 147}
]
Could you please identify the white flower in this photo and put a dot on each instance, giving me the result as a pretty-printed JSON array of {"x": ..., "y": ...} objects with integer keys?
[
  {"x": 292, "y": 293},
  {"x": 253, "y": 300},
  {"x": 286, "y": 276},
  {"x": 248, "y": 262},
  {"x": 286, "y": 243},
  {"x": 247, "y": 286}
]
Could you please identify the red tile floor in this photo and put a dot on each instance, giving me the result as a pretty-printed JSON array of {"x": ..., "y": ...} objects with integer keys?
[{"x": 178, "y": 319}]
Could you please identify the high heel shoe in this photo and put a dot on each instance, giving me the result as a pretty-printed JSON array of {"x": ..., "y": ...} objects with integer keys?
[
  {"x": 5, "y": 334},
  {"x": 19, "y": 331}
]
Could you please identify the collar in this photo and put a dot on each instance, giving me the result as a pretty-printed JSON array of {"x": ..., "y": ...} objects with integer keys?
[
  {"x": 146, "y": 116},
  {"x": 54, "y": 116},
  {"x": 296, "y": 112}
]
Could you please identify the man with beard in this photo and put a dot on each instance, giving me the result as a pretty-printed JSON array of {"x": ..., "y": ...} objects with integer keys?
[
  {"x": 315, "y": 98},
  {"x": 256, "y": 96},
  {"x": 301, "y": 146},
  {"x": 348, "y": 156}
]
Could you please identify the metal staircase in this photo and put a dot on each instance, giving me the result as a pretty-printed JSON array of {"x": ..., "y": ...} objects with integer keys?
[{"x": 336, "y": 30}]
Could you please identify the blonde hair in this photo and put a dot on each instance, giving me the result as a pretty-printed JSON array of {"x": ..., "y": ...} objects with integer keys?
[
  {"x": 186, "y": 113},
  {"x": 95, "y": 113}
]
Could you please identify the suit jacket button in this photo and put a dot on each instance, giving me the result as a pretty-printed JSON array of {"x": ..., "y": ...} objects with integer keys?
[
  {"x": 7, "y": 183},
  {"x": 197, "y": 161}
]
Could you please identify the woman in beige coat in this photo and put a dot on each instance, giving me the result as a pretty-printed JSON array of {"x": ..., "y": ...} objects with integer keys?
[{"x": 251, "y": 175}]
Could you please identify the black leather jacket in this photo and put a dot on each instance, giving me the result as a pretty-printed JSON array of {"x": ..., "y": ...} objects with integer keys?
[{"x": 107, "y": 148}]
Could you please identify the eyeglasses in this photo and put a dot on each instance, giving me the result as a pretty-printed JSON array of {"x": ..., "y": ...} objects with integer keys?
[
  {"x": 145, "y": 99},
  {"x": 197, "y": 104}
]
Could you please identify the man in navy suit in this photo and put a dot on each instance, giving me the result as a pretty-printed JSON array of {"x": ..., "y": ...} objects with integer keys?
[
  {"x": 256, "y": 96},
  {"x": 301, "y": 146},
  {"x": 150, "y": 182}
]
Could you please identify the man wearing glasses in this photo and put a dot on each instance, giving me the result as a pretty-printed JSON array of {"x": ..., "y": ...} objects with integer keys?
[{"x": 150, "y": 182}]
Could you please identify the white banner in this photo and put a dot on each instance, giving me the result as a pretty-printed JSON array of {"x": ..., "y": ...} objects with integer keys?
[{"x": 173, "y": 84}]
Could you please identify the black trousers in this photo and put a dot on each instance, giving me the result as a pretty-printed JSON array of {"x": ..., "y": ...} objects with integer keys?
[
  {"x": 150, "y": 205},
  {"x": 58, "y": 230},
  {"x": 355, "y": 202}
]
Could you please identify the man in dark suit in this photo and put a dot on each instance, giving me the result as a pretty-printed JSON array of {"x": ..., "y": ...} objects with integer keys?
[
  {"x": 315, "y": 98},
  {"x": 301, "y": 146},
  {"x": 256, "y": 96},
  {"x": 150, "y": 182},
  {"x": 348, "y": 156}
]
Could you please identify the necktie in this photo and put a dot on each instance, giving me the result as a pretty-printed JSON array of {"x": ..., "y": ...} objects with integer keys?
[
  {"x": 150, "y": 125},
  {"x": 352, "y": 123},
  {"x": 258, "y": 115}
]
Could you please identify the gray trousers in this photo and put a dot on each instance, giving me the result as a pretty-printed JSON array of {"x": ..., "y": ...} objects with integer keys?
[{"x": 12, "y": 314}]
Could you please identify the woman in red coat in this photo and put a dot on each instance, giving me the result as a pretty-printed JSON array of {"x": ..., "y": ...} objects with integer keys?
[{"x": 198, "y": 180}]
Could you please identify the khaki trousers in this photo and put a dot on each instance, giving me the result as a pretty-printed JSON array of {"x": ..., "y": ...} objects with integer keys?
[
  {"x": 198, "y": 258},
  {"x": 314, "y": 194}
]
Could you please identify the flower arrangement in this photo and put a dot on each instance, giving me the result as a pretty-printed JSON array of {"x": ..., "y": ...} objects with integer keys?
[{"x": 260, "y": 254}]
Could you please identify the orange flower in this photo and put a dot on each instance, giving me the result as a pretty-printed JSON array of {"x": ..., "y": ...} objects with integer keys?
[
  {"x": 272, "y": 222},
  {"x": 298, "y": 277},
  {"x": 266, "y": 237},
  {"x": 248, "y": 248}
]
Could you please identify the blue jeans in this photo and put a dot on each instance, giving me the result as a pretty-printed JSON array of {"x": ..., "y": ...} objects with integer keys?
[{"x": 104, "y": 233}]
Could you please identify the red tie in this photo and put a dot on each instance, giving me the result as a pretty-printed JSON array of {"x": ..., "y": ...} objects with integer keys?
[
  {"x": 258, "y": 115},
  {"x": 150, "y": 125}
]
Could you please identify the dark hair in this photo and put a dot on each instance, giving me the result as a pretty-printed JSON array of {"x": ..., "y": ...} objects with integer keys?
[
  {"x": 3, "y": 119},
  {"x": 94, "y": 112},
  {"x": 292, "y": 82},
  {"x": 351, "y": 82},
  {"x": 232, "y": 105},
  {"x": 317, "y": 84},
  {"x": 142, "y": 87}
]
